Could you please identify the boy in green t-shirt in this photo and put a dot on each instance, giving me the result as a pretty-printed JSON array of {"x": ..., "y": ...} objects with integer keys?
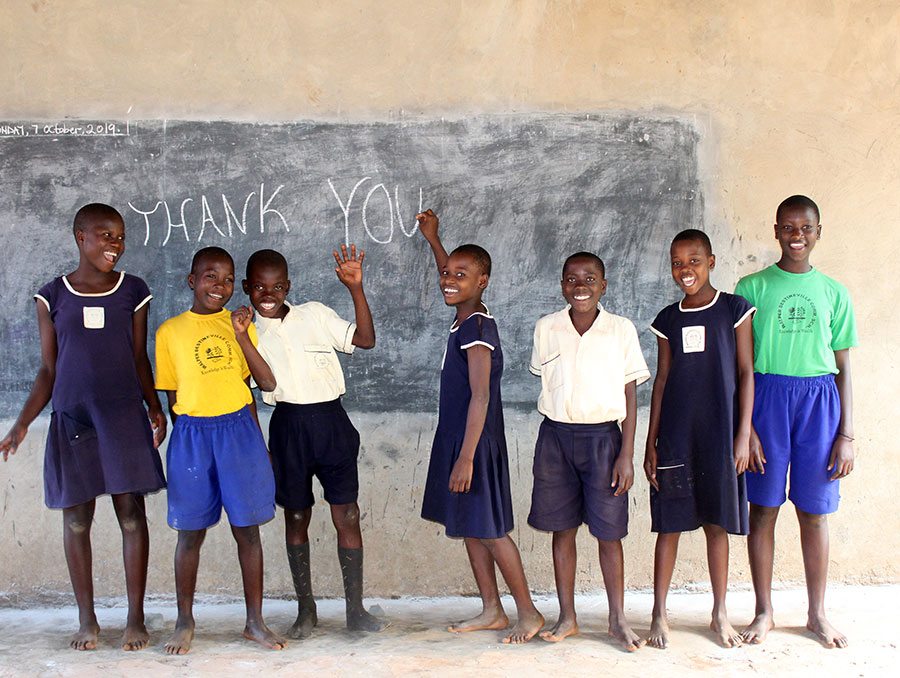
[{"x": 803, "y": 410}]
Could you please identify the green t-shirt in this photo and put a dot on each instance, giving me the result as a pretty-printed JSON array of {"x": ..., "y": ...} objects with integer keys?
[{"x": 801, "y": 320}]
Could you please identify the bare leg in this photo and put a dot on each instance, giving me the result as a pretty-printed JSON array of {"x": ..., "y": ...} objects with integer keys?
[
  {"x": 814, "y": 542},
  {"x": 492, "y": 615},
  {"x": 565, "y": 557},
  {"x": 296, "y": 526},
  {"x": 528, "y": 620},
  {"x": 663, "y": 566},
  {"x": 77, "y": 544},
  {"x": 187, "y": 560},
  {"x": 350, "y": 555},
  {"x": 612, "y": 565},
  {"x": 717, "y": 558},
  {"x": 135, "y": 552},
  {"x": 250, "y": 556},
  {"x": 761, "y": 548}
]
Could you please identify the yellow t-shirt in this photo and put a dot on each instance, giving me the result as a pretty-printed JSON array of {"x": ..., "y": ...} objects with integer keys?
[{"x": 198, "y": 357}]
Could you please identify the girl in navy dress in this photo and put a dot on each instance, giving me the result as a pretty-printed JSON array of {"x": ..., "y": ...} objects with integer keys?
[
  {"x": 94, "y": 366},
  {"x": 467, "y": 489},
  {"x": 699, "y": 433}
]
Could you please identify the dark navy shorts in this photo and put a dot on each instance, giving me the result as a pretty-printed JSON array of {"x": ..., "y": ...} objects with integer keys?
[
  {"x": 313, "y": 440},
  {"x": 573, "y": 465},
  {"x": 214, "y": 462},
  {"x": 797, "y": 420}
]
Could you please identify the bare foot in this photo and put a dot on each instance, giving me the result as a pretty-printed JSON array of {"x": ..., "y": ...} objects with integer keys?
[
  {"x": 361, "y": 620},
  {"x": 759, "y": 628},
  {"x": 86, "y": 637},
  {"x": 659, "y": 632},
  {"x": 180, "y": 642},
  {"x": 526, "y": 628},
  {"x": 826, "y": 633},
  {"x": 258, "y": 631},
  {"x": 621, "y": 631},
  {"x": 489, "y": 620},
  {"x": 307, "y": 619},
  {"x": 725, "y": 632},
  {"x": 560, "y": 631},
  {"x": 135, "y": 637}
]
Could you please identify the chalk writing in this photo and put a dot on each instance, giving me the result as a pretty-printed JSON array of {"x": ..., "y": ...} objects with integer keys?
[
  {"x": 80, "y": 128},
  {"x": 392, "y": 204}
]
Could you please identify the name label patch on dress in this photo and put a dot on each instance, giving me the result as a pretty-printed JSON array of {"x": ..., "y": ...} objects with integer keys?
[
  {"x": 94, "y": 317},
  {"x": 693, "y": 339}
]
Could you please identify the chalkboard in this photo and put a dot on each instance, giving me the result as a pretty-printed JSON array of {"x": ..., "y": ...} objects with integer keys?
[{"x": 531, "y": 189}]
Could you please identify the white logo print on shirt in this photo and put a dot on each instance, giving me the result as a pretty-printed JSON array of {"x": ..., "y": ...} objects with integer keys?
[{"x": 693, "y": 339}]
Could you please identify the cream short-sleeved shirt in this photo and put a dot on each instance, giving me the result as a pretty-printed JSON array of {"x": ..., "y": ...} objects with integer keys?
[
  {"x": 300, "y": 349},
  {"x": 583, "y": 377}
]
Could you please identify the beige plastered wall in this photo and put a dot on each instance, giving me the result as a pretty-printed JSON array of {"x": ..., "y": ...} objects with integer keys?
[{"x": 789, "y": 97}]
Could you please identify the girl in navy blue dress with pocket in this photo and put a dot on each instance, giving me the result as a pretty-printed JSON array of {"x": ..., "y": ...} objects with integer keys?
[
  {"x": 94, "y": 367},
  {"x": 467, "y": 489},
  {"x": 699, "y": 432}
]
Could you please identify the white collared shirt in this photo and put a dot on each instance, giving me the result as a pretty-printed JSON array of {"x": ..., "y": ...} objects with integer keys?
[
  {"x": 583, "y": 377},
  {"x": 300, "y": 349}
]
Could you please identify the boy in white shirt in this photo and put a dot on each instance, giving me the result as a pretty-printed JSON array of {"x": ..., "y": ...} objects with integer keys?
[
  {"x": 310, "y": 433},
  {"x": 590, "y": 364}
]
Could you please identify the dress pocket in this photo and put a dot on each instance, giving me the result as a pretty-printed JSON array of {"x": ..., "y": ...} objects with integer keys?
[
  {"x": 675, "y": 481},
  {"x": 77, "y": 431}
]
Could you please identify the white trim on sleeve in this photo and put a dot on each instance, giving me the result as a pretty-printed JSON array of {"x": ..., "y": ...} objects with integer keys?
[
  {"x": 658, "y": 333},
  {"x": 38, "y": 297},
  {"x": 143, "y": 303},
  {"x": 745, "y": 316},
  {"x": 534, "y": 370},
  {"x": 477, "y": 342}
]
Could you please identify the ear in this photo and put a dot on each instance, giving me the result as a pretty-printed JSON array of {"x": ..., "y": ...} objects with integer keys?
[
  {"x": 712, "y": 261},
  {"x": 287, "y": 287},
  {"x": 776, "y": 231},
  {"x": 603, "y": 284},
  {"x": 245, "y": 287},
  {"x": 819, "y": 232},
  {"x": 483, "y": 280},
  {"x": 191, "y": 280}
]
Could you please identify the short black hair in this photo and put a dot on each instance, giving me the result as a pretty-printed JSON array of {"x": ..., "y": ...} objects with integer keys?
[
  {"x": 478, "y": 253},
  {"x": 269, "y": 258},
  {"x": 585, "y": 255},
  {"x": 694, "y": 235},
  {"x": 92, "y": 212},
  {"x": 209, "y": 253},
  {"x": 797, "y": 201}
]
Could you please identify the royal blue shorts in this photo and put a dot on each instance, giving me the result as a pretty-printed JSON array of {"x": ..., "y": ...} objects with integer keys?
[
  {"x": 215, "y": 462},
  {"x": 573, "y": 465},
  {"x": 797, "y": 420}
]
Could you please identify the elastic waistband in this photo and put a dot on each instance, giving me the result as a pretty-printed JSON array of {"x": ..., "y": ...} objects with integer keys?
[
  {"x": 218, "y": 420},
  {"x": 785, "y": 381},
  {"x": 603, "y": 427},
  {"x": 310, "y": 409}
]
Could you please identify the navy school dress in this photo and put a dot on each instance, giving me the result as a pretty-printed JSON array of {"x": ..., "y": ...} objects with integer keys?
[
  {"x": 100, "y": 440},
  {"x": 485, "y": 512},
  {"x": 698, "y": 418}
]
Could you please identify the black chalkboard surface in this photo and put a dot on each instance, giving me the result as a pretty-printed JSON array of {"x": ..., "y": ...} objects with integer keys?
[{"x": 531, "y": 189}]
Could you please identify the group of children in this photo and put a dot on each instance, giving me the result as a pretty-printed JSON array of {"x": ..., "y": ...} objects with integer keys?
[{"x": 757, "y": 381}]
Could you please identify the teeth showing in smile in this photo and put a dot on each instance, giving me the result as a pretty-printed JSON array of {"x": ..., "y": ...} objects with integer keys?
[
  {"x": 110, "y": 256},
  {"x": 215, "y": 296},
  {"x": 267, "y": 306},
  {"x": 448, "y": 290},
  {"x": 581, "y": 297},
  {"x": 797, "y": 245},
  {"x": 688, "y": 280}
]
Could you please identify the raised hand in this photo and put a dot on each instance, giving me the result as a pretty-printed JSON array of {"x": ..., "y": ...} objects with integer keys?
[
  {"x": 428, "y": 223},
  {"x": 349, "y": 266},
  {"x": 241, "y": 318}
]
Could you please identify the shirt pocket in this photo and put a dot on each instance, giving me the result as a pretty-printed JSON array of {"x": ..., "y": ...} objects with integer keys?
[
  {"x": 552, "y": 371},
  {"x": 318, "y": 358}
]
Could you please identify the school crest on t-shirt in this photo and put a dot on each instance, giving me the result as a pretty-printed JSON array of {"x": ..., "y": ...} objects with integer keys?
[
  {"x": 797, "y": 313},
  {"x": 693, "y": 339},
  {"x": 213, "y": 353}
]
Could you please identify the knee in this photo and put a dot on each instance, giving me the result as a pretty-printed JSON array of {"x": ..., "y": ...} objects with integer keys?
[
  {"x": 190, "y": 539},
  {"x": 77, "y": 525},
  {"x": 346, "y": 516},
  {"x": 297, "y": 520},
  {"x": 763, "y": 517},
  {"x": 814, "y": 521}
]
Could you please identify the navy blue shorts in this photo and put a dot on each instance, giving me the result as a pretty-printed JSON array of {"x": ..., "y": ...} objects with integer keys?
[
  {"x": 573, "y": 465},
  {"x": 797, "y": 420},
  {"x": 313, "y": 440},
  {"x": 214, "y": 462}
]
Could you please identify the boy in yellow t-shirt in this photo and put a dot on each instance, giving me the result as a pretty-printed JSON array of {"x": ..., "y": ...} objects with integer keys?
[{"x": 217, "y": 456}]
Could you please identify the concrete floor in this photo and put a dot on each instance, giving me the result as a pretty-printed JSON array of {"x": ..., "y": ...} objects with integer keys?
[{"x": 34, "y": 641}]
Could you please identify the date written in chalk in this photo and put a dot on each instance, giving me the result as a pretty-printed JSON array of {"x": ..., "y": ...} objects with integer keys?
[{"x": 81, "y": 128}]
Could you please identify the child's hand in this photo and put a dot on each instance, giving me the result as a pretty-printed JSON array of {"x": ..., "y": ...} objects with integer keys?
[
  {"x": 842, "y": 457},
  {"x": 741, "y": 454},
  {"x": 622, "y": 475},
  {"x": 158, "y": 424},
  {"x": 13, "y": 439},
  {"x": 349, "y": 267},
  {"x": 650, "y": 465},
  {"x": 428, "y": 224},
  {"x": 461, "y": 476},
  {"x": 241, "y": 319},
  {"x": 757, "y": 461}
]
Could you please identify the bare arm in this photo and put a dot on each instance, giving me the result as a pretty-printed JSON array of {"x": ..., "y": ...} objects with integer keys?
[
  {"x": 145, "y": 375},
  {"x": 171, "y": 399},
  {"x": 744, "y": 340},
  {"x": 479, "y": 358},
  {"x": 259, "y": 368},
  {"x": 842, "y": 454},
  {"x": 349, "y": 272},
  {"x": 428, "y": 225},
  {"x": 663, "y": 364},
  {"x": 623, "y": 470},
  {"x": 42, "y": 388}
]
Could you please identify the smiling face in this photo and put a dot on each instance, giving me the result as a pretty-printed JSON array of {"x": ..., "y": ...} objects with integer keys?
[
  {"x": 583, "y": 283},
  {"x": 212, "y": 280},
  {"x": 102, "y": 242},
  {"x": 797, "y": 230},
  {"x": 268, "y": 286},
  {"x": 462, "y": 279},
  {"x": 691, "y": 264}
]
